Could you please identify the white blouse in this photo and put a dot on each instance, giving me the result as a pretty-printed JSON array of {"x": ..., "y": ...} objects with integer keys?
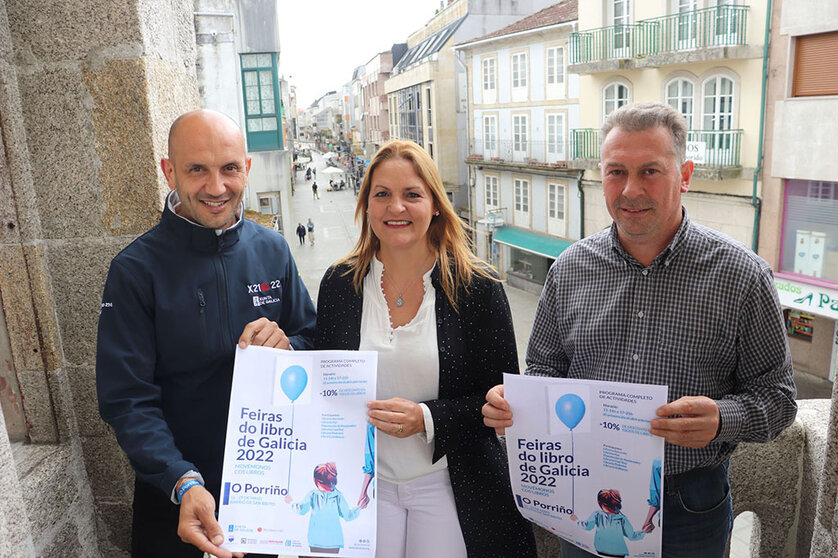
[{"x": 408, "y": 367}]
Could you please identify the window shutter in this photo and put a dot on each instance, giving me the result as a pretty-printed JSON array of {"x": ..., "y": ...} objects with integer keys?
[{"x": 816, "y": 65}]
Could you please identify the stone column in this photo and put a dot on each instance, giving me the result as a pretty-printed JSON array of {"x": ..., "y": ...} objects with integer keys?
[{"x": 88, "y": 89}]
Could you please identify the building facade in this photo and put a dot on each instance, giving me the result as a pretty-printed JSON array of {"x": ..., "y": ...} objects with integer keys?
[
  {"x": 522, "y": 105},
  {"x": 703, "y": 57},
  {"x": 799, "y": 225},
  {"x": 376, "y": 113},
  {"x": 427, "y": 92}
]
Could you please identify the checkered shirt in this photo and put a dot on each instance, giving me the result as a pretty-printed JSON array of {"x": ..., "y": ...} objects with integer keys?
[{"x": 703, "y": 319}]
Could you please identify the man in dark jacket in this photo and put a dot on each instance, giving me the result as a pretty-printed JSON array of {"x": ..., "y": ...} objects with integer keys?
[{"x": 176, "y": 302}]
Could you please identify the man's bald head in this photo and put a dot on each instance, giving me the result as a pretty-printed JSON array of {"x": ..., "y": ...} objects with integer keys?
[
  {"x": 208, "y": 166},
  {"x": 201, "y": 121}
]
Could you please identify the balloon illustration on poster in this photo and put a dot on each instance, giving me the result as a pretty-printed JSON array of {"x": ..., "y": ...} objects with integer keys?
[
  {"x": 293, "y": 382},
  {"x": 570, "y": 409}
]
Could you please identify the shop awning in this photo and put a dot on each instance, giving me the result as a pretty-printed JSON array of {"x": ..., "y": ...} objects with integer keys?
[{"x": 540, "y": 244}]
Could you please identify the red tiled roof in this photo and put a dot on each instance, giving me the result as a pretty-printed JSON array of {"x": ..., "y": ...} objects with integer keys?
[{"x": 557, "y": 13}]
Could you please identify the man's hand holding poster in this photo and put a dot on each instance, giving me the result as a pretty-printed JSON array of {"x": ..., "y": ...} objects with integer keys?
[
  {"x": 300, "y": 454},
  {"x": 583, "y": 464}
]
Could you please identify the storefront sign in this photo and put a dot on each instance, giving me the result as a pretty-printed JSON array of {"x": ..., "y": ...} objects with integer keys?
[{"x": 808, "y": 298}]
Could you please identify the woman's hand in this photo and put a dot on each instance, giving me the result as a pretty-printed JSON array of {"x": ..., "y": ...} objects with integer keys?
[{"x": 397, "y": 417}]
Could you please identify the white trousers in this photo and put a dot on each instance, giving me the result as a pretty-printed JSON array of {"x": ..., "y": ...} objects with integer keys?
[{"x": 418, "y": 519}]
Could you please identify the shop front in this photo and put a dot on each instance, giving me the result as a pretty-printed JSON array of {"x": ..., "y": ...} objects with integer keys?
[
  {"x": 811, "y": 313},
  {"x": 526, "y": 256}
]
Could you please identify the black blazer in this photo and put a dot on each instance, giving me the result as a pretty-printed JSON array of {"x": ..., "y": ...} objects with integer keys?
[{"x": 476, "y": 346}]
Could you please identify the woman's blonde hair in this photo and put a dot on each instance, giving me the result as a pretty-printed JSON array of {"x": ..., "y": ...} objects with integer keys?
[{"x": 446, "y": 233}]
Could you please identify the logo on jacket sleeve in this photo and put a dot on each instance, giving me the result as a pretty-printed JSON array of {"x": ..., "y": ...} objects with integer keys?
[{"x": 265, "y": 293}]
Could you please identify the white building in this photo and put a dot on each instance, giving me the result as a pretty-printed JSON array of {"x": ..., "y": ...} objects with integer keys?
[{"x": 522, "y": 104}]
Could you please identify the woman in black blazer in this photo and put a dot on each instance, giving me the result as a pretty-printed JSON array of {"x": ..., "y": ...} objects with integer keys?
[{"x": 412, "y": 290}]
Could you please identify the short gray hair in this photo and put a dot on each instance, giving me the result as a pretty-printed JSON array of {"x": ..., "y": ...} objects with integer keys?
[{"x": 637, "y": 117}]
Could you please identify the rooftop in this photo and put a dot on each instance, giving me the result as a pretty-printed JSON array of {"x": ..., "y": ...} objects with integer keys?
[{"x": 562, "y": 12}]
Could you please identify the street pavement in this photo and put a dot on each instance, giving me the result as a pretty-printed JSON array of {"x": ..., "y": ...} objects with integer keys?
[{"x": 335, "y": 235}]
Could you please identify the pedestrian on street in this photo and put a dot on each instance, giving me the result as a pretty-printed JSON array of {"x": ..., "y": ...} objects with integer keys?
[
  {"x": 314, "y": 171},
  {"x": 301, "y": 233},
  {"x": 630, "y": 303},
  {"x": 163, "y": 363},
  {"x": 310, "y": 229},
  {"x": 412, "y": 264},
  {"x": 314, "y": 193}
]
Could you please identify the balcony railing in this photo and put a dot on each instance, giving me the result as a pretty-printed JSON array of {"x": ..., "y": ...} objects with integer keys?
[
  {"x": 708, "y": 148},
  {"x": 724, "y": 25},
  {"x": 523, "y": 152}
]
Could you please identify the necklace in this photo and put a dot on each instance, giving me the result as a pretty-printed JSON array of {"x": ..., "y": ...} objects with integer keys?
[{"x": 400, "y": 297}]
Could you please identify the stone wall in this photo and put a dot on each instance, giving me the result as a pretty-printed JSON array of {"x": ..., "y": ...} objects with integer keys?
[{"x": 88, "y": 89}]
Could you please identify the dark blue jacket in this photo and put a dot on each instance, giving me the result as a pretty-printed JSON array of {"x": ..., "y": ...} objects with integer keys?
[{"x": 175, "y": 303}]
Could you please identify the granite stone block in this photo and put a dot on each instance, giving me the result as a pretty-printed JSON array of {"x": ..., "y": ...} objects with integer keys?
[
  {"x": 38, "y": 406},
  {"x": 812, "y": 415},
  {"x": 123, "y": 137},
  {"x": 21, "y": 216},
  {"x": 53, "y": 466},
  {"x": 69, "y": 28},
  {"x": 64, "y": 542},
  {"x": 15, "y": 530},
  {"x": 114, "y": 527},
  {"x": 82, "y": 383},
  {"x": 78, "y": 270},
  {"x": 17, "y": 307},
  {"x": 65, "y": 166},
  {"x": 107, "y": 468},
  {"x": 44, "y": 305}
]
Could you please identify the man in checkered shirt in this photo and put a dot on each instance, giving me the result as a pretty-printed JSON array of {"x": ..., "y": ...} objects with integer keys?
[{"x": 659, "y": 299}]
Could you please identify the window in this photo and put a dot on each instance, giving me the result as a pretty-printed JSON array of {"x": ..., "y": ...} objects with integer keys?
[
  {"x": 679, "y": 95},
  {"x": 490, "y": 135},
  {"x": 492, "y": 192},
  {"x": 555, "y": 137},
  {"x": 555, "y": 73},
  {"x": 520, "y": 136},
  {"x": 816, "y": 65},
  {"x": 614, "y": 96},
  {"x": 488, "y": 74},
  {"x": 522, "y": 195},
  {"x": 428, "y": 107},
  {"x": 810, "y": 229},
  {"x": 262, "y": 105},
  {"x": 519, "y": 76},
  {"x": 555, "y": 65}
]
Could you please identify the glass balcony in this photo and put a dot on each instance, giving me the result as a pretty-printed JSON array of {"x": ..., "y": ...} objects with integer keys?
[
  {"x": 708, "y": 148},
  {"x": 724, "y": 25}
]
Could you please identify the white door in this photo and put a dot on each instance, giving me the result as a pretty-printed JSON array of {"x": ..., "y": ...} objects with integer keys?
[
  {"x": 619, "y": 19},
  {"x": 687, "y": 27},
  {"x": 521, "y": 216},
  {"x": 555, "y": 138},
  {"x": 490, "y": 136},
  {"x": 557, "y": 209},
  {"x": 520, "y": 137},
  {"x": 718, "y": 120}
]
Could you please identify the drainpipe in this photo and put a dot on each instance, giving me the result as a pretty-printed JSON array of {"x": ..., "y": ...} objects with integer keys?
[
  {"x": 755, "y": 201},
  {"x": 580, "y": 193}
]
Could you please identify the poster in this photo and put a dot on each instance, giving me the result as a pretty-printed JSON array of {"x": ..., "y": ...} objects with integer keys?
[
  {"x": 583, "y": 464},
  {"x": 299, "y": 455}
]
